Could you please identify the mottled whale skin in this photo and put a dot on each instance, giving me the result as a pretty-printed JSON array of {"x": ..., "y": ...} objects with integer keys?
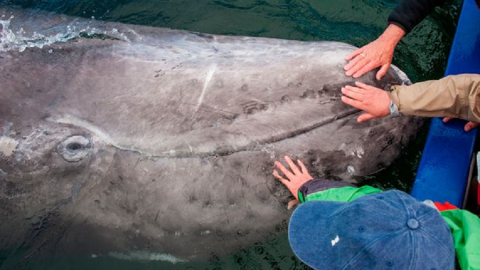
[{"x": 163, "y": 141}]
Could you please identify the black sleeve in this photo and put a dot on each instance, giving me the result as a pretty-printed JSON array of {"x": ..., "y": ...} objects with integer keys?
[
  {"x": 409, "y": 13},
  {"x": 316, "y": 185}
]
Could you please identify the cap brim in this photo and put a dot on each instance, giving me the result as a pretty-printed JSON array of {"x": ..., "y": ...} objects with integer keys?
[{"x": 310, "y": 233}]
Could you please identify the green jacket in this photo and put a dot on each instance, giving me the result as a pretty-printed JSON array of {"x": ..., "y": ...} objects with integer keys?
[{"x": 465, "y": 226}]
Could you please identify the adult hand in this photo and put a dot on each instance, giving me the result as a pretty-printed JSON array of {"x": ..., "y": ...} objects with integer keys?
[
  {"x": 375, "y": 102},
  {"x": 468, "y": 126},
  {"x": 378, "y": 53},
  {"x": 296, "y": 176}
]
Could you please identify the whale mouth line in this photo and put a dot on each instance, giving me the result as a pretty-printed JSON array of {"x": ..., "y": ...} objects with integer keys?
[{"x": 225, "y": 151}]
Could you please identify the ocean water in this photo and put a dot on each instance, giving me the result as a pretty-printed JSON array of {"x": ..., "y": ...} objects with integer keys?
[{"x": 422, "y": 55}]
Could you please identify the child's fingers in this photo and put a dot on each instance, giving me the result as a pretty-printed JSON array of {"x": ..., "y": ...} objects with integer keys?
[
  {"x": 291, "y": 204},
  {"x": 303, "y": 168},
  {"x": 292, "y": 165},
  {"x": 281, "y": 179},
  {"x": 284, "y": 170}
]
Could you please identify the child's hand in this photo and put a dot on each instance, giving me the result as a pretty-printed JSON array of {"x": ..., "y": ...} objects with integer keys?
[{"x": 296, "y": 177}]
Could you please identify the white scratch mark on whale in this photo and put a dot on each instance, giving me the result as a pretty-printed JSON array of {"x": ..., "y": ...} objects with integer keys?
[
  {"x": 210, "y": 73},
  {"x": 82, "y": 123},
  {"x": 146, "y": 256}
]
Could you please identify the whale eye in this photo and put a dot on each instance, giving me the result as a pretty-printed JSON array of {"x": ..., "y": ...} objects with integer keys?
[{"x": 74, "y": 148}]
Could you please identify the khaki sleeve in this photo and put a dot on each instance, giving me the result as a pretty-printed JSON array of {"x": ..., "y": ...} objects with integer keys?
[{"x": 456, "y": 96}]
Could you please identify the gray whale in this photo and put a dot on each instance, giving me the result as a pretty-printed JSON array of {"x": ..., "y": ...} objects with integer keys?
[{"x": 132, "y": 138}]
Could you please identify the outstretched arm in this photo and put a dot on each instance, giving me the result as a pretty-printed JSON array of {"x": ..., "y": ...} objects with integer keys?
[
  {"x": 409, "y": 13},
  {"x": 305, "y": 188},
  {"x": 379, "y": 53},
  {"x": 453, "y": 96}
]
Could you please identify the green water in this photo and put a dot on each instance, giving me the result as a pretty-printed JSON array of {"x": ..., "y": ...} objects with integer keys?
[{"x": 422, "y": 55}]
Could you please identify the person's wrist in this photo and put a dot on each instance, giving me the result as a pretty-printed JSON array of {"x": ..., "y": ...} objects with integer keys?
[
  {"x": 383, "y": 99},
  {"x": 392, "y": 35},
  {"x": 394, "y": 109}
]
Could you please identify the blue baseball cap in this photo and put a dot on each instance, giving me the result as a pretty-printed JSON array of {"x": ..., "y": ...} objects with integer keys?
[{"x": 388, "y": 230}]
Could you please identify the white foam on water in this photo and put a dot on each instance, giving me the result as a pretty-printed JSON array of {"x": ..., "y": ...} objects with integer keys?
[{"x": 19, "y": 40}]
